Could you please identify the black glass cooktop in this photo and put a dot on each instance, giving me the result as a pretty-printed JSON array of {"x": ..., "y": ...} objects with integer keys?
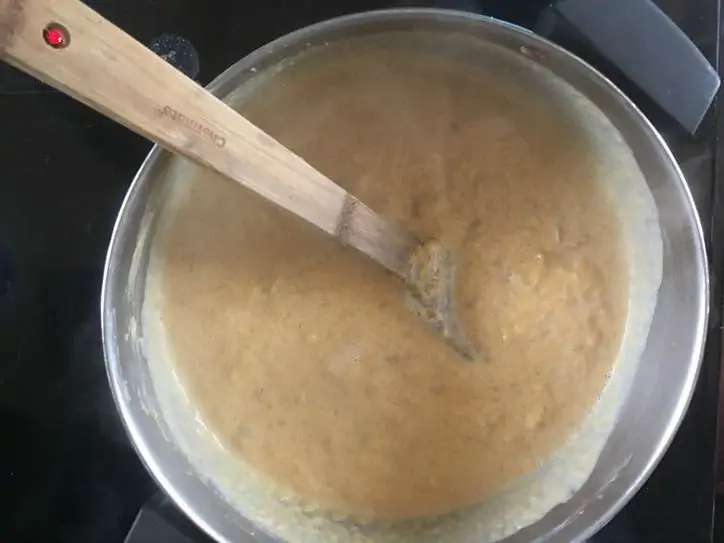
[{"x": 68, "y": 471}]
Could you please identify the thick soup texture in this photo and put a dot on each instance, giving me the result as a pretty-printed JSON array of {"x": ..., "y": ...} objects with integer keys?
[{"x": 302, "y": 356}]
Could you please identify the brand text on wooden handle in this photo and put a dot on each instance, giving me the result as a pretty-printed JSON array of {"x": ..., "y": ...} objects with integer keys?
[{"x": 194, "y": 125}]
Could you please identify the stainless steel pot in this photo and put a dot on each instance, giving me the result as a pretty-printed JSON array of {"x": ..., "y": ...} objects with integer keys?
[{"x": 661, "y": 388}]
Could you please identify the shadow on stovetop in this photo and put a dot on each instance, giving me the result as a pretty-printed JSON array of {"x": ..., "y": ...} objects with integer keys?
[{"x": 69, "y": 472}]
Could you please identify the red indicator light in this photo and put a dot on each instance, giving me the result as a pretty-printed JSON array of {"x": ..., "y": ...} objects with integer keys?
[{"x": 56, "y": 36}]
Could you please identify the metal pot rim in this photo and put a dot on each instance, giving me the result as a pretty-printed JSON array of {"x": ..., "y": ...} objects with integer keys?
[{"x": 224, "y": 83}]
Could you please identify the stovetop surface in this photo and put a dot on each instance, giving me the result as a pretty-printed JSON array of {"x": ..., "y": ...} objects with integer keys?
[{"x": 68, "y": 471}]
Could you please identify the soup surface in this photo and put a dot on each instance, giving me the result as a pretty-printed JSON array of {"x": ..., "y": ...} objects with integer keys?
[{"x": 302, "y": 356}]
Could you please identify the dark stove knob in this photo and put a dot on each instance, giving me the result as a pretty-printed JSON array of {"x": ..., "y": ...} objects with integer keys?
[{"x": 177, "y": 51}]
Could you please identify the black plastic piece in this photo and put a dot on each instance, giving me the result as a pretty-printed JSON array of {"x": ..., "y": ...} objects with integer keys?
[
  {"x": 648, "y": 48},
  {"x": 159, "y": 521}
]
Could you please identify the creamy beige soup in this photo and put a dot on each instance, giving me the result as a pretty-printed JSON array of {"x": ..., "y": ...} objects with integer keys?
[{"x": 301, "y": 355}]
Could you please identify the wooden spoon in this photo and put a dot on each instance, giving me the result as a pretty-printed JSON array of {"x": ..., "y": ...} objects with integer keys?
[{"x": 72, "y": 48}]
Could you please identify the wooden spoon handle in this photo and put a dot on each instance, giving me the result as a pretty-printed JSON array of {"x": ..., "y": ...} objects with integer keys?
[{"x": 72, "y": 48}]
